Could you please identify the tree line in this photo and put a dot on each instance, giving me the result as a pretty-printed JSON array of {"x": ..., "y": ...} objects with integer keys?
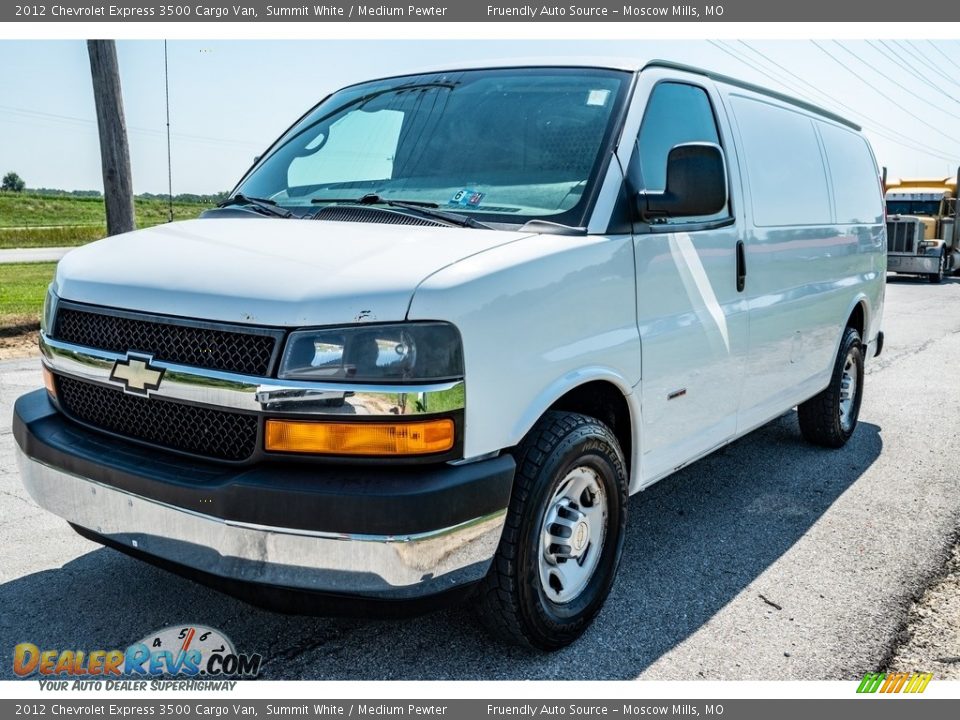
[{"x": 12, "y": 182}]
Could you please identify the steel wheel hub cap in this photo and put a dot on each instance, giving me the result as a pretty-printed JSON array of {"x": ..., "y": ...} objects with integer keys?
[
  {"x": 572, "y": 536},
  {"x": 848, "y": 390}
]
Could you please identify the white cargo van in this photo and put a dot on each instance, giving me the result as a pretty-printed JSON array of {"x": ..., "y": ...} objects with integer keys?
[{"x": 448, "y": 323}]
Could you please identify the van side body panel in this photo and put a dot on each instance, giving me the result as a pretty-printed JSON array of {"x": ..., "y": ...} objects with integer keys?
[{"x": 810, "y": 259}]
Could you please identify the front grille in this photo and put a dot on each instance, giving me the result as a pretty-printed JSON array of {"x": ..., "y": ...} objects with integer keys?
[
  {"x": 203, "y": 347},
  {"x": 901, "y": 236},
  {"x": 200, "y": 431}
]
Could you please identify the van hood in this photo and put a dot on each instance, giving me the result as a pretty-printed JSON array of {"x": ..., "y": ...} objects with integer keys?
[{"x": 268, "y": 271}]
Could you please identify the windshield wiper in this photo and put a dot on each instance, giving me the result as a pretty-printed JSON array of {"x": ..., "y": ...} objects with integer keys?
[
  {"x": 269, "y": 207},
  {"x": 428, "y": 209},
  {"x": 374, "y": 199}
]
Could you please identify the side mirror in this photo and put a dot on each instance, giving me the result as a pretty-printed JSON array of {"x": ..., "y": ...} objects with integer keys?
[{"x": 696, "y": 184}]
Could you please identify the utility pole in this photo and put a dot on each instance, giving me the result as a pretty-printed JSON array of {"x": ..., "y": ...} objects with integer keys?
[
  {"x": 166, "y": 89},
  {"x": 114, "y": 150}
]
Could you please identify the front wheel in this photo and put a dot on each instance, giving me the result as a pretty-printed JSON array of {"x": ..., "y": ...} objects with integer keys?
[
  {"x": 937, "y": 277},
  {"x": 563, "y": 537},
  {"x": 829, "y": 419}
]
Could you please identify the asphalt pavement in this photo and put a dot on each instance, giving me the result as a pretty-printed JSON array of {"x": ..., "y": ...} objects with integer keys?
[{"x": 770, "y": 559}]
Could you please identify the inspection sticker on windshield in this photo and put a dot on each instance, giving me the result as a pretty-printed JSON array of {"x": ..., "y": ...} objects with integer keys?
[
  {"x": 598, "y": 97},
  {"x": 467, "y": 198}
]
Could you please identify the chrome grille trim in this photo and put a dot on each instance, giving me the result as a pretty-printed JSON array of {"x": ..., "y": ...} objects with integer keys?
[
  {"x": 258, "y": 394},
  {"x": 901, "y": 237}
]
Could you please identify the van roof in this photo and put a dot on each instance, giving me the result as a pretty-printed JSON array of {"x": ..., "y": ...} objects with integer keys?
[{"x": 633, "y": 65}]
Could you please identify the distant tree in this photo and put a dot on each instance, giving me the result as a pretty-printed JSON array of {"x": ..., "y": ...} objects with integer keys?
[
  {"x": 12, "y": 183},
  {"x": 54, "y": 192}
]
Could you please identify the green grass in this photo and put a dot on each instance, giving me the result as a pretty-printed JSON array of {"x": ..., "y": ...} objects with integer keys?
[
  {"x": 439, "y": 402},
  {"x": 69, "y": 236},
  {"x": 79, "y": 220},
  {"x": 22, "y": 289}
]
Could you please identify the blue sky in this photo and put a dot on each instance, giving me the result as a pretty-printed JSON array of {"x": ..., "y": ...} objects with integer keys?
[{"x": 230, "y": 99}]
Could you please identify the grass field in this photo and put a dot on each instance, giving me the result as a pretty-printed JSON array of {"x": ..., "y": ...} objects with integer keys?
[
  {"x": 22, "y": 287},
  {"x": 77, "y": 220},
  {"x": 68, "y": 236}
]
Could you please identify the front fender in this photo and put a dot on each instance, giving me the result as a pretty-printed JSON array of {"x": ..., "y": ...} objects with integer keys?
[{"x": 538, "y": 317}]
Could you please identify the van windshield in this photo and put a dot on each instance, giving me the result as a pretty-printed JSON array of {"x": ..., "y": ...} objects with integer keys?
[{"x": 504, "y": 145}]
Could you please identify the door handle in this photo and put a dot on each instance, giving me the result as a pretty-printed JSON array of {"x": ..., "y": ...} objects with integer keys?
[{"x": 741, "y": 266}]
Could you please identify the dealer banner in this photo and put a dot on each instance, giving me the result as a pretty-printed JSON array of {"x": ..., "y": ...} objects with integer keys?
[{"x": 615, "y": 11}]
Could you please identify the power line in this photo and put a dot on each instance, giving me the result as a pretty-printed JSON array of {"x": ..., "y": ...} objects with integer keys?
[
  {"x": 949, "y": 59},
  {"x": 878, "y": 90},
  {"x": 925, "y": 60},
  {"x": 873, "y": 126},
  {"x": 903, "y": 62},
  {"x": 914, "y": 53},
  {"x": 894, "y": 57},
  {"x": 71, "y": 120}
]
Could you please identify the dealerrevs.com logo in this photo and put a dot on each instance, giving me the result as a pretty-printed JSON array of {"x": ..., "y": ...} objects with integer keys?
[{"x": 179, "y": 651}]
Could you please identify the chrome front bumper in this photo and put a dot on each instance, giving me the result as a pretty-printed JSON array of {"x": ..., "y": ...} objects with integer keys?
[
  {"x": 919, "y": 264},
  {"x": 380, "y": 566}
]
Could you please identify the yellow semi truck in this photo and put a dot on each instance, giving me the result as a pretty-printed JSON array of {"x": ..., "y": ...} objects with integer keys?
[{"x": 923, "y": 227}]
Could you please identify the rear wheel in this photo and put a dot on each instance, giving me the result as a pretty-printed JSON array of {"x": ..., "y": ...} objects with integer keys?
[
  {"x": 563, "y": 538},
  {"x": 829, "y": 419}
]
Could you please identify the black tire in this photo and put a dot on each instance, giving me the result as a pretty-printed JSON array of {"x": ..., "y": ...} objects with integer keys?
[
  {"x": 512, "y": 603},
  {"x": 937, "y": 277},
  {"x": 820, "y": 416}
]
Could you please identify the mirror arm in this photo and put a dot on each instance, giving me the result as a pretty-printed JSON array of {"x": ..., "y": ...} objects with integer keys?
[{"x": 647, "y": 205}]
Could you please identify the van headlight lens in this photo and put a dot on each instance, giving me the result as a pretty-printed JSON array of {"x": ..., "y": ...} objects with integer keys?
[
  {"x": 401, "y": 352},
  {"x": 49, "y": 310}
]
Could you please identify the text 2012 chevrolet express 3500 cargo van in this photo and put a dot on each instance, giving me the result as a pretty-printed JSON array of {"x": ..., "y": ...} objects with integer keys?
[{"x": 448, "y": 323}]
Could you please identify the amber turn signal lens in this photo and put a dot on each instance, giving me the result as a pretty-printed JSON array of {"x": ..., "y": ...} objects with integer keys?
[
  {"x": 327, "y": 438},
  {"x": 48, "y": 381}
]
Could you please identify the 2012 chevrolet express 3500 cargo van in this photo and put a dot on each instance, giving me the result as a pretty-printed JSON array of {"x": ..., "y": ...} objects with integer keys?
[{"x": 448, "y": 323}]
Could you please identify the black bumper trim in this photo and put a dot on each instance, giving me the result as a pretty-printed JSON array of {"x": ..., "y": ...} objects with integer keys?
[{"x": 363, "y": 500}]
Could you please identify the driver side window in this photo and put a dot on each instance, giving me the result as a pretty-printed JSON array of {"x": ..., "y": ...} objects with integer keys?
[{"x": 676, "y": 113}]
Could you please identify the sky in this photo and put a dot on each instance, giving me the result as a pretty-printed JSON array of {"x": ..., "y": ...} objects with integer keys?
[{"x": 230, "y": 99}]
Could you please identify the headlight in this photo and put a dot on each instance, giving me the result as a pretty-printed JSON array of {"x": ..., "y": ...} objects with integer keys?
[
  {"x": 49, "y": 309},
  {"x": 402, "y": 352}
]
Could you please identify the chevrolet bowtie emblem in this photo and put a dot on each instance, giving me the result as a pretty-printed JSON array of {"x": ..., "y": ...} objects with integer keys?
[{"x": 136, "y": 374}]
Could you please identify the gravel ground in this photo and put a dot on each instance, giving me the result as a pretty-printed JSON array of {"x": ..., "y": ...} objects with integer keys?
[
  {"x": 930, "y": 642},
  {"x": 18, "y": 337}
]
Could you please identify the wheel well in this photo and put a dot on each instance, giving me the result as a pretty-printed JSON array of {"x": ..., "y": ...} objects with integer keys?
[
  {"x": 857, "y": 320},
  {"x": 604, "y": 401}
]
